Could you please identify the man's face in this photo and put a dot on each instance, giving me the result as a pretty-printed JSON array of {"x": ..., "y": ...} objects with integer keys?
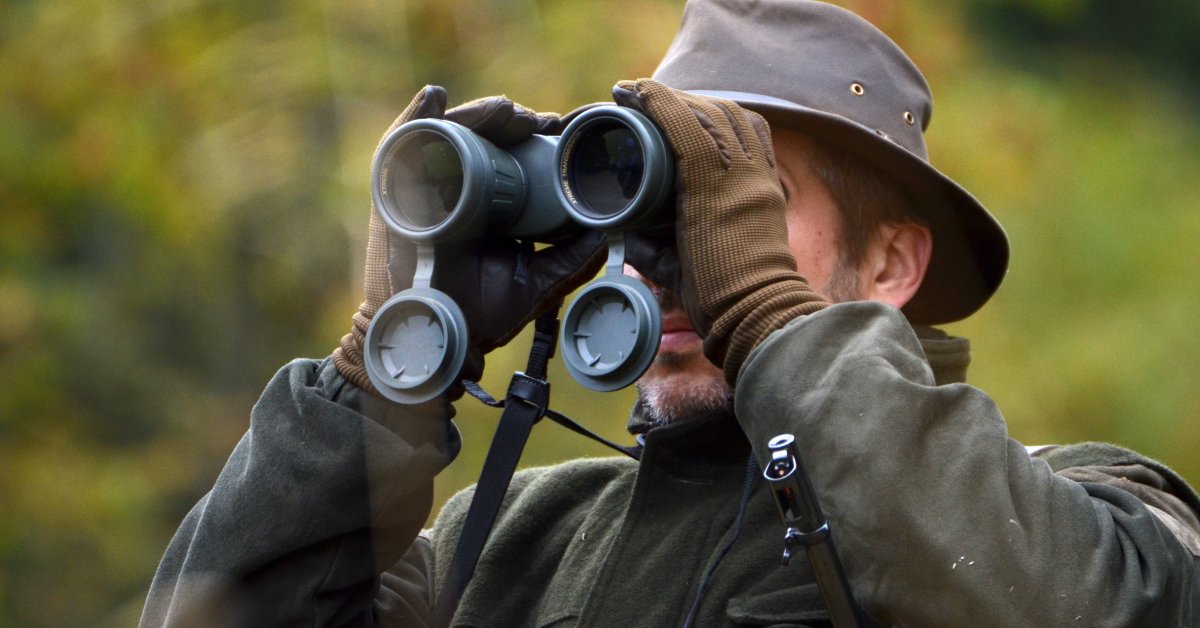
[{"x": 681, "y": 381}]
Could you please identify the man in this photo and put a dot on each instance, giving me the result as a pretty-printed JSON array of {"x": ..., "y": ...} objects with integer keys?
[{"x": 940, "y": 518}]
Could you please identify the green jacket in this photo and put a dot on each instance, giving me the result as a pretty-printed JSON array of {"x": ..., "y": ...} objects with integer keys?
[{"x": 940, "y": 519}]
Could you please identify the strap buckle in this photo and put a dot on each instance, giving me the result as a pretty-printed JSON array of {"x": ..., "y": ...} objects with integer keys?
[{"x": 531, "y": 391}]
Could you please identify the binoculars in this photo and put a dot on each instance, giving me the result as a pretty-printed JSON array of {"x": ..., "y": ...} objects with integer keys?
[{"x": 437, "y": 181}]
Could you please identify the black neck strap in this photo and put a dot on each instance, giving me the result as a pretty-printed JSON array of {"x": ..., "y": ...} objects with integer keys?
[{"x": 526, "y": 403}]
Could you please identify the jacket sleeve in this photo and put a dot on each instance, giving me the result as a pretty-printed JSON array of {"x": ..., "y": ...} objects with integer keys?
[
  {"x": 940, "y": 518},
  {"x": 327, "y": 490}
]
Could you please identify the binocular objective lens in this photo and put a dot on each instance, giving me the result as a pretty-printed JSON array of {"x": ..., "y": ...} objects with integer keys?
[
  {"x": 426, "y": 178},
  {"x": 607, "y": 167}
]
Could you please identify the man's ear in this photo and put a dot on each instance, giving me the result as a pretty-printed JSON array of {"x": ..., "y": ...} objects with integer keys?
[{"x": 896, "y": 263}]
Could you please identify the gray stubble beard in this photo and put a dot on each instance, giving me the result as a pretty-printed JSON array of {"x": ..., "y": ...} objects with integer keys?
[{"x": 667, "y": 404}]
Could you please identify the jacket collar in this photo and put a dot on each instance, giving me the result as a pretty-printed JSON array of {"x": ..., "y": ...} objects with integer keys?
[
  {"x": 948, "y": 356},
  {"x": 702, "y": 445}
]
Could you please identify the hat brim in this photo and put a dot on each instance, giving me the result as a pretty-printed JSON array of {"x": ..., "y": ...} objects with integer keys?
[{"x": 970, "y": 249}]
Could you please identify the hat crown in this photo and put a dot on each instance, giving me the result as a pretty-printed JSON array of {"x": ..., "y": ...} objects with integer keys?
[
  {"x": 822, "y": 70},
  {"x": 812, "y": 54}
]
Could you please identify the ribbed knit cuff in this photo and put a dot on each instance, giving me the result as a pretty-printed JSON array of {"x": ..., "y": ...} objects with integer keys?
[
  {"x": 348, "y": 357},
  {"x": 770, "y": 309}
]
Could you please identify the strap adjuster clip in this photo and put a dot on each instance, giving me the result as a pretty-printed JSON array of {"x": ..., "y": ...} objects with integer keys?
[{"x": 530, "y": 390}]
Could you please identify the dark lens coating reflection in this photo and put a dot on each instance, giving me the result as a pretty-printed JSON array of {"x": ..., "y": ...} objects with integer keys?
[
  {"x": 426, "y": 179},
  {"x": 606, "y": 167}
]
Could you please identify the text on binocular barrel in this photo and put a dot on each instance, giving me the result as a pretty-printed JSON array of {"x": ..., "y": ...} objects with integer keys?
[{"x": 562, "y": 168}]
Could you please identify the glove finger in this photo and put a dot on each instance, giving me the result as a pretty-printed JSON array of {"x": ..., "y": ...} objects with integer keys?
[
  {"x": 430, "y": 102},
  {"x": 489, "y": 279},
  {"x": 402, "y": 262},
  {"x": 654, "y": 256},
  {"x": 750, "y": 128},
  {"x": 763, "y": 130},
  {"x": 551, "y": 274},
  {"x": 501, "y": 121},
  {"x": 542, "y": 123},
  {"x": 482, "y": 114},
  {"x": 687, "y": 121},
  {"x": 557, "y": 270},
  {"x": 471, "y": 273},
  {"x": 625, "y": 94},
  {"x": 739, "y": 127}
]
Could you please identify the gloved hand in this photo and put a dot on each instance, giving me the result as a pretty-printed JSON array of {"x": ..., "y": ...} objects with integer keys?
[
  {"x": 500, "y": 284},
  {"x": 734, "y": 272}
]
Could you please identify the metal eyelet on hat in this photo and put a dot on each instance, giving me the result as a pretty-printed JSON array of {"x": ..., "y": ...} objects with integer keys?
[
  {"x": 910, "y": 118},
  {"x": 857, "y": 89}
]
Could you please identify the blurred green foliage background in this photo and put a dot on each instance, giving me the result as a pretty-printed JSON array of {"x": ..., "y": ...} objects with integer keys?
[{"x": 183, "y": 208}]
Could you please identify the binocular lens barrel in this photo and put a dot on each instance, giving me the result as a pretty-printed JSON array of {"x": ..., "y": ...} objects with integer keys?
[
  {"x": 607, "y": 167},
  {"x": 615, "y": 169},
  {"x": 436, "y": 180},
  {"x": 425, "y": 178}
]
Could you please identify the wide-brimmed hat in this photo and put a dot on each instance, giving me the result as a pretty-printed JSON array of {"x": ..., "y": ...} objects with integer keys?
[{"x": 820, "y": 69}]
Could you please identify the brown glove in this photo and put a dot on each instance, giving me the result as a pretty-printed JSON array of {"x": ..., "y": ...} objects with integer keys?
[
  {"x": 500, "y": 284},
  {"x": 737, "y": 278}
]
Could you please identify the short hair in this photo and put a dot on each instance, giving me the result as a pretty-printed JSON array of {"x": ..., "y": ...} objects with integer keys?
[{"x": 867, "y": 198}]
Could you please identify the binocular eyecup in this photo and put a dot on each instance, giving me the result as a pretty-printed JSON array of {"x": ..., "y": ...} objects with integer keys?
[{"x": 437, "y": 181}]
